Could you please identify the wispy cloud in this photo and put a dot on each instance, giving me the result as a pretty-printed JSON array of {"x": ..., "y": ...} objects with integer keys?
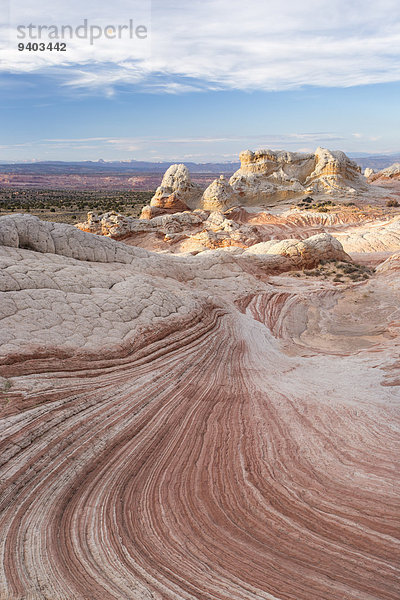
[
  {"x": 167, "y": 148},
  {"x": 221, "y": 44}
]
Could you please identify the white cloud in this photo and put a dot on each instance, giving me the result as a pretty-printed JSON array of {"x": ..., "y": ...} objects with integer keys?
[
  {"x": 218, "y": 44},
  {"x": 168, "y": 148}
]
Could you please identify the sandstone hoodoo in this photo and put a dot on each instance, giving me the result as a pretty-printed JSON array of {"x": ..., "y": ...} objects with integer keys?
[
  {"x": 177, "y": 192},
  {"x": 220, "y": 196}
]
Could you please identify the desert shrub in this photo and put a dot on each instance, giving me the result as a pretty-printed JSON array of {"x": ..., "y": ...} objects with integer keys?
[
  {"x": 349, "y": 269},
  {"x": 392, "y": 203}
]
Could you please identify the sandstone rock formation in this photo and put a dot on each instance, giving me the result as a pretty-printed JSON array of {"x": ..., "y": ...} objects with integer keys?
[
  {"x": 209, "y": 427},
  {"x": 187, "y": 231},
  {"x": 380, "y": 236},
  {"x": 111, "y": 223},
  {"x": 199, "y": 230},
  {"x": 305, "y": 253},
  {"x": 148, "y": 212},
  {"x": 176, "y": 192},
  {"x": 266, "y": 176},
  {"x": 118, "y": 226},
  {"x": 334, "y": 172},
  {"x": 392, "y": 172},
  {"x": 368, "y": 172},
  {"x": 219, "y": 196}
]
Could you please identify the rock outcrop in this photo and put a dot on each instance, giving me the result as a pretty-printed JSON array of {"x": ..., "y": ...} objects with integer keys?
[
  {"x": 268, "y": 176},
  {"x": 219, "y": 196},
  {"x": 118, "y": 226},
  {"x": 334, "y": 173},
  {"x": 193, "y": 230},
  {"x": 379, "y": 236},
  {"x": 176, "y": 192},
  {"x": 392, "y": 172},
  {"x": 264, "y": 177},
  {"x": 305, "y": 253},
  {"x": 368, "y": 172},
  {"x": 111, "y": 224}
]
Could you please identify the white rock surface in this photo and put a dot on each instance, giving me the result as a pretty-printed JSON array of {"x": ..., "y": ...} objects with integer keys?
[
  {"x": 220, "y": 195},
  {"x": 177, "y": 189},
  {"x": 319, "y": 247},
  {"x": 390, "y": 172},
  {"x": 266, "y": 176}
]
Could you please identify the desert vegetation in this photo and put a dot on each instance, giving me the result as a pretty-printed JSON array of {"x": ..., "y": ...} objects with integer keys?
[
  {"x": 338, "y": 271},
  {"x": 69, "y": 206},
  {"x": 322, "y": 206}
]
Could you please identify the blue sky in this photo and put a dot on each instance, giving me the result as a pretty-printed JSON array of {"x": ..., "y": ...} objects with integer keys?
[{"x": 211, "y": 79}]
